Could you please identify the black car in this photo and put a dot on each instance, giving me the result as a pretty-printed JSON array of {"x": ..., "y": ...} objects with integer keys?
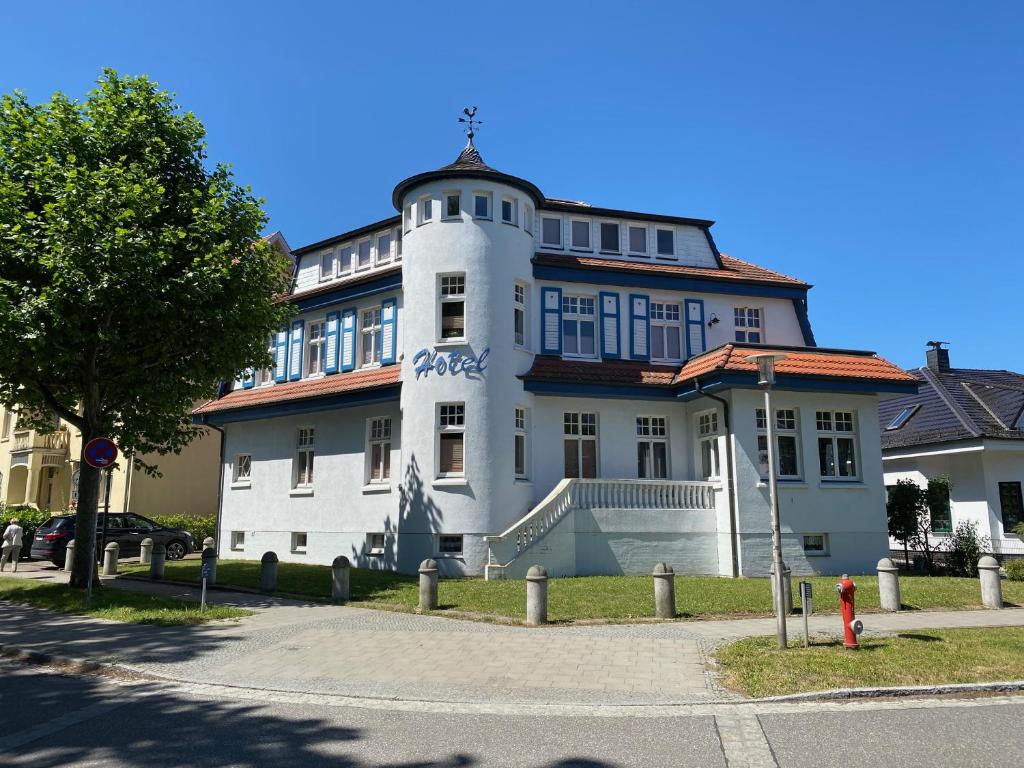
[{"x": 128, "y": 530}]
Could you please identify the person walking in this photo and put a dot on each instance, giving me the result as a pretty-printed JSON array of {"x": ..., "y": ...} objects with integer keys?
[{"x": 11, "y": 544}]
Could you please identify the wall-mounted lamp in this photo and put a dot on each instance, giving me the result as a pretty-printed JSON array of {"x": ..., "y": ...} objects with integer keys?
[{"x": 713, "y": 321}]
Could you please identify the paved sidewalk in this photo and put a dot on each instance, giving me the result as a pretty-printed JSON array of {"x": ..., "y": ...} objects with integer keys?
[{"x": 298, "y": 646}]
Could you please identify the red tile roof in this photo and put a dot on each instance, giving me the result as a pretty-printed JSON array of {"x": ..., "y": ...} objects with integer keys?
[
  {"x": 305, "y": 389},
  {"x": 613, "y": 372},
  {"x": 732, "y": 269}
]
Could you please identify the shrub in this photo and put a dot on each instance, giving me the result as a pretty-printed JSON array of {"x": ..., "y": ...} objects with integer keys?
[
  {"x": 29, "y": 518},
  {"x": 964, "y": 548},
  {"x": 1014, "y": 570},
  {"x": 199, "y": 527}
]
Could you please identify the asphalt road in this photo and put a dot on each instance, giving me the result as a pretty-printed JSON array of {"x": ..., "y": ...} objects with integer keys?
[{"x": 49, "y": 719}]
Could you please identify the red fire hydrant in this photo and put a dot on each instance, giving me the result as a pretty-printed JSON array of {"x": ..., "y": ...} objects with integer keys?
[{"x": 851, "y": 625}]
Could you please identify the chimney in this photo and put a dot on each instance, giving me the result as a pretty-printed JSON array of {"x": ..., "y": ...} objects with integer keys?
[{"x": 938, "y": 358}]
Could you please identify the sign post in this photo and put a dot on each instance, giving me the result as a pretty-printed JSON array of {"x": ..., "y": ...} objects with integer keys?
[
  {"x": 100, "y": 453},
  {"x": 806, "y": 602},
  {"x": 207, "y": 572}
]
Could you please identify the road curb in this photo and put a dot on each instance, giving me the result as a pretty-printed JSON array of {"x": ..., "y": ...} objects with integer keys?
[
  {"x": 835, "y": 694},
  {"x": 43, "y": 658}
]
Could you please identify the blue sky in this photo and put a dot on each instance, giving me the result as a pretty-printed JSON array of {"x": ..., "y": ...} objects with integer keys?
[{"x": 872, "y": 149}]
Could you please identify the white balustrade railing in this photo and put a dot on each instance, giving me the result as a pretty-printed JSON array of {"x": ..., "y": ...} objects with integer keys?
[{"x": 26, "y": 441}]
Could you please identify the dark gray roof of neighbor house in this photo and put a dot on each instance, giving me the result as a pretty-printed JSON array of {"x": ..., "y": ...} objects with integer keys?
[{"x": 956, "y": 404}]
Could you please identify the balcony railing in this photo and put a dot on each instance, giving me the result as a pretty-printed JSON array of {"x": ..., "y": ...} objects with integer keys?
[{"x": 30, "y": 441}]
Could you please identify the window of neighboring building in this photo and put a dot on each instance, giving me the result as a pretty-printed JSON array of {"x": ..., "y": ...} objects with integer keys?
[
  {"x": 580, "y": 444},
  {"x": 243, "y": 467},
  {"x": 816, "y": 544},
  {"x": 508, "y": 211},
  {"x": 787, "y": 442},
  {"x": 327, "y": 265},
  {"x": 345, "y": 259},
  {"x": 449, "y": 544},
  {"x": 902, "y": 417},
  {"x": 299, "y": 539},
  {"x": 369, "y": 330},
  {"x": 482, "y": 205},
  {"x": 453, "y": 307},
  {"x": 384, "y": 248},
  {"x": 579, "y": 326},
  {"x": 837, "y": 444},
  {"x": 520, "y": 443},
  {"x": 580, "y": 231},
  {"x": 426, "y": 210},
  {"x": 237, "y": 541},
  {"x": 519, "y": 315},
  {"x": 453, "y": 205},
  {"x": 528, "y": 219},
  {"x": 451, "y": 425},
  {"x": 304, "y": 451},
  {"x": 609, "y": 237},
  {"x": 748, "y": 325},
  {"x": 1011, "y": 504},
  {"x": 707, "y": 439},
  {"x": 365, "y": 247},
  {"x": 638, "y": 241},
  {"x": 378, "y": 449},
  {"x": 666, "y": 331},
  {"x": 315, "y": 349},
  {"x": 651, "y": 447},
  {"x": 551, "y": 231},
  {"x": 375, "y": 543},
  {"x": 666, "y": 240}
]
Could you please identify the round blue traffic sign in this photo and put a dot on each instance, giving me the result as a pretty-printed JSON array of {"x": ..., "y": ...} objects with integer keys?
[{"x": 100, "y": 452}]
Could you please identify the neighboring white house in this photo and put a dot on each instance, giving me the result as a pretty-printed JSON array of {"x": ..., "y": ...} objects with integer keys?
[
  {"x": 966, "y": 424},
  {"x": 494, "y": 378}
]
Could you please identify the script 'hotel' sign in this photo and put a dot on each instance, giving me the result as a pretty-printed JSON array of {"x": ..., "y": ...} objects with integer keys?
[{"x": 454, "y": 362}]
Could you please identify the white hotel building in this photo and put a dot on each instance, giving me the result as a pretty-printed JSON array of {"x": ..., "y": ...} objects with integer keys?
[{"x": 494, "y": 378}]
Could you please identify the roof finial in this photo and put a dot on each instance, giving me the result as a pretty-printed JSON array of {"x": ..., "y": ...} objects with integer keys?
[{"x": 469, "y": 119}]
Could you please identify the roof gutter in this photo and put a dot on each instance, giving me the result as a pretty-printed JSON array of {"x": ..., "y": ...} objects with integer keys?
[{"x": 734, "y": 543}]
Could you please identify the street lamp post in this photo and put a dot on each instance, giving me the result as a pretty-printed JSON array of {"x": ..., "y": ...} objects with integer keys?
[{"x": 766, "y": 378}]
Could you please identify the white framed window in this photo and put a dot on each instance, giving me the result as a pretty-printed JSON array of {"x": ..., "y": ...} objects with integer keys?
[
  {"x": 425, "y": 209},
  {"x": 482, "y": 205},
  {"x": 345, "y": 254},
  {"x": 237, "y": 541},
  {"x": 327, "y": 265},
  {"x": 666, "y": 331},
  {"x": 243, "y": 468},
  {"x": 369, "y": 332},
  {"x": 652, "y": 447},
  {"x": 579, "y": 444},
  {"x": 451, "y": 430},
  {"x": 375, "y": 543},
  {"x": 315, "y": 349},
  {"x": 398, "y": 245},
  {"x": 453, "y": 306},
  {"x": 299, "y": 539},
  {"x": 609, "y": 231},
  {"x": 551, "y": 231},
  {"x": 519, "y": 321},
  {"x": 665, "y": 240},
  {"x": 579, "y": 231},
  {"x": 407, "y": 218},
  {"x": 304, "y": 451},
  {"x": 707, "y": 441},
  {"x": 8, "y": 426},
  {"x": 528, "y": 219},
  {"x": 364, "y": 254},
  {"x": 266, "y": 375},
  {"x": 384, "y": 248},
  {"x": 519, "y": 453},
  {"x": 449, "y": 544},
  {"x": 749, "y": 325},
  {"x": 378, "y": 449},
  {"x": 787, "y": 443},
  {"x": 816, "y": 544},
  {"x": 579, "y": 326},
  {"x": 509, "y": 211},
  {"x": 837, "y": 445},
  {"x": 637, "y": 241},
  {"x": 452, "y": 205}
]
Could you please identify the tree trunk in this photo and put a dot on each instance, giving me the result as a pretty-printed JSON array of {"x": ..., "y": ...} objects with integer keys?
[{"x": 85, "y": 521}]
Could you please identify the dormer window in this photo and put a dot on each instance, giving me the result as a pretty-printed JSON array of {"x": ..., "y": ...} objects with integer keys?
[
  {"x": 580, "y": 235},
  {"x": 344, "y": 259},
  {"x": 384, "y": 248},
  {"x": 551, "y": 231},
  {"x": 452, "y": 205},
  {"x": 638, "y": 241},
  {"x": 327, "y": 265},
  {"x": 902, "y": 417},
  {"x": 508, "y": 211},
  {"x": 364, "y": 254},
  {"x": 482, "y": 205},
  {"x": 609, "y": 237},
  {"x": 666, "y": 239}
]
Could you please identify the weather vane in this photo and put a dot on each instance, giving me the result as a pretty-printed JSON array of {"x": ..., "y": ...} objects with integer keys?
[{"x": 470, "y": 120}]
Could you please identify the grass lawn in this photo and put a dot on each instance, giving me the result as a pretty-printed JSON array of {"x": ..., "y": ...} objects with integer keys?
[
  {"x": 589, "y": 598},
  {"x": 755, "y": 666},
  {"x": 114, "y": 604}
]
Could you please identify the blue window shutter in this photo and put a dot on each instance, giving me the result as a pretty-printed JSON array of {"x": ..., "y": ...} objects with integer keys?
[
  {"x": 348, "y": 340},
  {"x": 639, "y": 327},
  {"x": 331, "y": 338},
  {"x": 295, "y": 351},
  {"x": 610, "y": 325},
  {"x": 696, "y": 343},
  {"x": 281, "y": 356},
  {"x": 551, "y": 321},
  {"x": 388, "y": 329},
  {"x": 248, "y": 378}
]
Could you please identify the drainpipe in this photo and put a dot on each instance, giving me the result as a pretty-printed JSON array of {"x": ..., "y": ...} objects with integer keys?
[
  {"x": 734, "y": 543},
  {"x": 220, "y": 485}
]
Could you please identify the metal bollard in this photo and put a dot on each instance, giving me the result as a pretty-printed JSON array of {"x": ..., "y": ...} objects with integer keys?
[
  {"x": 787, "y": 587},
  {"x": 156, "y": 565},
  {"x": 69, "y": 557},
  {"x": 428, "y": 585},
  {"x": 991, "y": 584},
  {"x": 664, "y": 591},
  {"x": 110, "y": 553},
  {"x": 145, "y": 551},
  {"x": 536, "y": 595},
  {"x": 210, "y": 543},
  {"x": 209, "y": 571},
  {"x": 889, "y": 585},
  {"x": 340, "y": 579},
  {"x": 268, "y": 572}
]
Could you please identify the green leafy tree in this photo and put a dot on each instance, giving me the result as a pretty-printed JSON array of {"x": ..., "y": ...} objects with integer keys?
[
  {"x": 910, "y": 513},
  {"x": 133, "y": 277}
]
